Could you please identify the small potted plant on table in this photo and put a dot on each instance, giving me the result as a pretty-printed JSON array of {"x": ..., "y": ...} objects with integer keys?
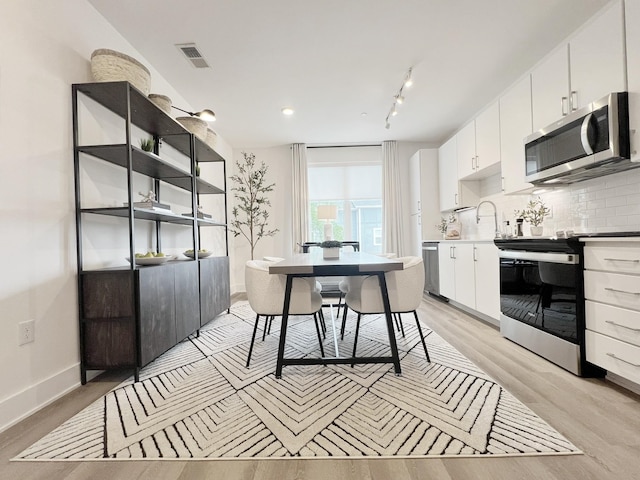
[{"x": 331, "y": 248}]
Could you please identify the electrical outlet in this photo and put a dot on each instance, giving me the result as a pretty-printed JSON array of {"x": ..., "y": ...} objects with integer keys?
[{"x": 26, "y": 332}]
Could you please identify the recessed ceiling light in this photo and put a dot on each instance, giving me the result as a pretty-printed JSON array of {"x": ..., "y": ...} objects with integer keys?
[{"x": 287, "y": 110}]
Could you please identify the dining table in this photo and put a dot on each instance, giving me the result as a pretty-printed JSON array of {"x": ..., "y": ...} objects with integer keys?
[{"x": 313, "y": 264}]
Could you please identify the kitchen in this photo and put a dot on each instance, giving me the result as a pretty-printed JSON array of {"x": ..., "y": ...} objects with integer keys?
[{"x": 591, "y": 202}]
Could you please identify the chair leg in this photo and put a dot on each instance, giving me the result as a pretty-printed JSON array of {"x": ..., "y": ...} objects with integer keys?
[
  {"x": 267, "y": 326},
  {"x": 339, "y": 304},
  {"x": 344, "y": 320},
  {"x": 424, "y": 344},
  {"x": 253, "y": 339},
  {"x": 399, "y": 322},
  {"x": 315, "y": 319},
  {"x": 355, "y": 339},
  {"x": 322, "y": 323},
  {"x": 270, "y": 322}
]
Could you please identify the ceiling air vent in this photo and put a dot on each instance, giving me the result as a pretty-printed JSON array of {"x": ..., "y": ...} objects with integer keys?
[{"x": 190, "y": 51}]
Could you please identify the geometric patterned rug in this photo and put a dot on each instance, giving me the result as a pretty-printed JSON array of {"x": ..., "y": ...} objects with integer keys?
[{"x": 199, "y": 401}]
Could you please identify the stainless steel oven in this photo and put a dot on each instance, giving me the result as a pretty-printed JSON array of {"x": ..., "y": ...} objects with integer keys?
[{"x": 542, "y": 298}]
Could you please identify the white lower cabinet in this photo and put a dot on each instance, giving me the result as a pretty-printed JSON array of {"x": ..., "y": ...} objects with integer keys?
[
  {"x": 470, "y": 275},
  {"x": 487, "y": 272},
  {"x": 612, "y": 307}
]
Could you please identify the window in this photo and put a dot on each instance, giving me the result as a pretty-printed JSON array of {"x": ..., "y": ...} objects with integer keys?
[{"x": 351, "y": 179}]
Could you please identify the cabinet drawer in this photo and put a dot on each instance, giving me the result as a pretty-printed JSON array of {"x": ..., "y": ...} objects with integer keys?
[
  {"x": 613, "y": 355},
  {"x": 612, "y": 288},
  {"x": 619, "y": 323},
  {"x": 620, "y": 259}
]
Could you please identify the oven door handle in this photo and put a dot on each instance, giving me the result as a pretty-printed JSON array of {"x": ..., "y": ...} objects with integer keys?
[{"x": 556, "y": 257}]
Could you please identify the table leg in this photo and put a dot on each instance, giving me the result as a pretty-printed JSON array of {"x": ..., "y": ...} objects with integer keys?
[
  {"x": 283, "y": 327},
  {"x": 387, "y": 311}
]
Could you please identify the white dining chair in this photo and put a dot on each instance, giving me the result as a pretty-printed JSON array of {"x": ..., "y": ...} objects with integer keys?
[
  {"x": 266, "y": 291},
  {"x": 344, "y": 286},
  {"x": 318, "y": 287},
  {"x": 405, "y": 288}
]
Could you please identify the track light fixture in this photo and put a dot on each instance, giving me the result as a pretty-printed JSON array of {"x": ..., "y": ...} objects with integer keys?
[
  {"x": 205, "y": 114},
  {"x": 398, "y": 98}
]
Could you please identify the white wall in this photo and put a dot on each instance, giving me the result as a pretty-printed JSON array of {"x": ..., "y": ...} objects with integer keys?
[
  {"x": 45, "y": 46},
  {"x": 278, "y": 161}
]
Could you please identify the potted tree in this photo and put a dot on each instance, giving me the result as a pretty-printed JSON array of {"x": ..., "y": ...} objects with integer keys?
[{"x": 250, "y": 213}]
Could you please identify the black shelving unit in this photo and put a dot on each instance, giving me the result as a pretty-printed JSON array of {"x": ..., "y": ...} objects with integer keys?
[{"x": 128, "y": 316}]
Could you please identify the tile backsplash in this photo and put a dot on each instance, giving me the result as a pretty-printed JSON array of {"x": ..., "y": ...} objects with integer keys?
[{"x": 607, "y": 204}]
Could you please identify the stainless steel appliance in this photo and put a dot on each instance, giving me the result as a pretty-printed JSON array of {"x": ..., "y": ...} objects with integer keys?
[
  {"x": 431, "y": 269},
  {"x": 589, "y": 142},
  {"x": 542, "y": 299}
]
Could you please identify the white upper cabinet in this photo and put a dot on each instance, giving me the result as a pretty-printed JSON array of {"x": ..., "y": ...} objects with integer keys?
[
  {"x": 632, "y": 16},
  {"x": 479, "y": 146},
  {"x": 448, "y": 175},
  {"x": 466, "y": 139},
  {"x": 550, "y": 89},
  {"x": 597, "y": 61},
  {"x": 453, "y": 193},
  {"x": 488, "y": 141},
  {"x": 515, "y": 125},
  {"x": 589, "y": 67}
]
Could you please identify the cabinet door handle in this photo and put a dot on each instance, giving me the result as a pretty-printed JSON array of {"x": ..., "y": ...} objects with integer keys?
[
  {"x": 455, "y": 198},
  {"x": 609, "y": 289},
  {"x": 621, "y": 260},
  {"x": 475, "y": 259},
  {"x": 610, "y": 322},
  {"x": 574, "y": 101},
  {"x": 563, "y": 106},
  {"x": 612, "y": 355},
  {"x": 477, "y": 162}
]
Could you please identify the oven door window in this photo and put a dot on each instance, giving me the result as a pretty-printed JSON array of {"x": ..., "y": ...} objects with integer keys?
[{"x": 541, "y": 294}]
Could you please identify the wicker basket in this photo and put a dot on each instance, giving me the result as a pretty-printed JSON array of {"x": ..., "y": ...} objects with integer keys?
[
  {"x": 111, "y": 66},
  {"x": 161, "y": 101},
  {"x": 195, "y": 125},
  {"x": 212, "y": 138}
]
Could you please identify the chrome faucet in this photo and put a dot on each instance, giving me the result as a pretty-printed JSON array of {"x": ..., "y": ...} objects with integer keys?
[{"x": 495, "y": 216}]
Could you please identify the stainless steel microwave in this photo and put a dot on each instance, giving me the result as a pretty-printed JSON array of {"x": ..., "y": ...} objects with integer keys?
[{"x": 589, "y": 142}]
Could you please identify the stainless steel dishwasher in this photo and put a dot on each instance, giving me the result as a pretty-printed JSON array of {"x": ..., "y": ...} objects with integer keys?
[{"x": 431, "y": 270}]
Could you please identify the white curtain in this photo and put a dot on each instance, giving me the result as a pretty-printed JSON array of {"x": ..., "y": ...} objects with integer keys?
[
  {"x": 393, "y": 238},
  {"x": 300, "y": 190}
]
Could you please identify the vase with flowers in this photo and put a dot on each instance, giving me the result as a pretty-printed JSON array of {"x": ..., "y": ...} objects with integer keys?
[
  {"x": 449, "y": 227},
  {"x": 534, "y": 214}
]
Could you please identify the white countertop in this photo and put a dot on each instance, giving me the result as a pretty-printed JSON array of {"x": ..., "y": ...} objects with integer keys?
[{"x": 462, "y": 240}]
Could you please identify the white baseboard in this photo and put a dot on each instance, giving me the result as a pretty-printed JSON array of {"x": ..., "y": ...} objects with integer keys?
[
  {"x": 623, "y": 382},
  {"x": 474, "y": 313},
  {"x": 19, "y": 406}
]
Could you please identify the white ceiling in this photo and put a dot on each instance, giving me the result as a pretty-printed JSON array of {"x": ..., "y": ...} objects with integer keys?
[{"x": 333, "y": 60}]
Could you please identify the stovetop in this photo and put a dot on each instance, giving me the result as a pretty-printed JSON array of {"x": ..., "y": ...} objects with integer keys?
[
  {"x": 564, "y": 241},
  {"x": 541, "y": 244}
]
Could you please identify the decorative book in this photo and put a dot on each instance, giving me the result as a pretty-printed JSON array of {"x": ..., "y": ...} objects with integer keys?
[{"x": 150, "y": 204}]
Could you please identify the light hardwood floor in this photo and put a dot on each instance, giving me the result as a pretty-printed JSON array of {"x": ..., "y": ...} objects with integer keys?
[{"x": 601, "y": 419}]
